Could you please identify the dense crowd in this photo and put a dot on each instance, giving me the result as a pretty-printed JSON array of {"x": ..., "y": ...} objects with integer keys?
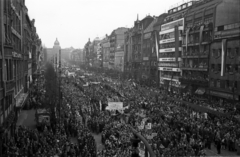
[{"x": 179, "y": 130}]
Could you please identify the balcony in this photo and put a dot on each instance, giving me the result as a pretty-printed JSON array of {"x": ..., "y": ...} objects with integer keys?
[
  {"x": 195, "y": 67},
  {"x": 193, "y": 80},
  {"x": 195, "y": 55}
]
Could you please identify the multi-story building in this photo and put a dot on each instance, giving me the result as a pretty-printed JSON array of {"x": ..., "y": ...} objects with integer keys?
[
  {"x": 155, "y": 58},
  {"x": 128, "y": 53},
  {"x": 87, "y": 52},
  {"x": 117, "y": 49},
  {"x": 224, "y": 64},
  {"x": 105, "y": 44},
  {"x": 171, "y": 47},
  {"x": 137, "y": 37},
  {"x": 197, "y": 38},
  {"x": 17, "y": 37},
  {"x": 149, "y": 54},
  {"x": 53, "y": 54}
]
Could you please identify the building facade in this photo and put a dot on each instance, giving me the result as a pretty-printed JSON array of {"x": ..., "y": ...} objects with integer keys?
[
  {"x": 128, "y": 54},
  {"x": 137, "y": 40},
  {"x": 197, "y": 38},
  {"x": 149, "y": 54},
  {"x": 224, "y": 72},
  {"x": 170, "y": 52},
  {"x": 18, "y": 35},
  {"x": 105, "y": 44},
  {"x": 116, "y": 55}
]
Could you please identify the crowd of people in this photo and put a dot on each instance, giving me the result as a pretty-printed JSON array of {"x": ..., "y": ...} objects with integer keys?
[
  {"x": 180, "y": 129},
  {"x": 175, "y": 128}
]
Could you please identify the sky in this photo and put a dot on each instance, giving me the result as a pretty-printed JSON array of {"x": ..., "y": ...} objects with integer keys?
[{"x": 73, "y": 22}]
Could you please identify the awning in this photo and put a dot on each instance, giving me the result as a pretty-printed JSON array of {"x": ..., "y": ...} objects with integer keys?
[
  {"x": 200, "y": 91},
  {"x": 21, "y": 100}
]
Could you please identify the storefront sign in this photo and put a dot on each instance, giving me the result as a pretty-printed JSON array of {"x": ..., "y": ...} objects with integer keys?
[
  {"x": 167, "y": 59},
  {"x": 167, "y": 50},
  {"x": 16, "y": 55},
  {"x": 145, "y": 58},
  {"x": 167, "y": 40},
  {"x": 172, "y": 24},
  {"x": 169, "y": 69}
]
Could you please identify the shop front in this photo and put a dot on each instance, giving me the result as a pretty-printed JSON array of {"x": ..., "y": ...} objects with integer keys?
[{"x": 224, "y": 95}]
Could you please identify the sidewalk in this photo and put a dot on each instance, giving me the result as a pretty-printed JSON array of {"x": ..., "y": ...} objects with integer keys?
[{"x": 27, "y": 118}]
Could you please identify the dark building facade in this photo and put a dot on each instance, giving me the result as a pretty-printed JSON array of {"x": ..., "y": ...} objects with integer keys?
[
  {"x": 137, "y": 40},
  {"x": 16, "y": 43},
  {"x": 197, "y": 38},
  {"x": 224, "y": 72}
]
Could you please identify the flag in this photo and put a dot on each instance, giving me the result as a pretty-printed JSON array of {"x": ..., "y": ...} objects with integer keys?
[{"x": 223, "y": 57}]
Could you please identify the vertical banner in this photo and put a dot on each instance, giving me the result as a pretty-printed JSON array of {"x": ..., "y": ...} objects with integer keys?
[
  {"x": 156, "y": 39},
  {"x": 100, "y": 104},
  {"x": 200, "y": 38},
  {"x": 201, "y": 34},
  {"x": 223, "y": 57},
  {"x": 187, "y": 34}
]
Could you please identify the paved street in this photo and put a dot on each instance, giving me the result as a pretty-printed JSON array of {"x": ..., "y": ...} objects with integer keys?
[
  {"x": 213, "y": 152},
  {"x": 98, "y": 141},
  {"x": 27, "y": 118}
]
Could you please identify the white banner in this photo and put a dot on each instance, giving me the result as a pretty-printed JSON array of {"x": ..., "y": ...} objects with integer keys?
[{"x": 115, "y": 106}]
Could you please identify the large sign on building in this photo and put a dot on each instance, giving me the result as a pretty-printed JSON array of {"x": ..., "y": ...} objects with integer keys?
[
  {"x": 172, "y": 24},
  {"x": 169, "y": 69}
]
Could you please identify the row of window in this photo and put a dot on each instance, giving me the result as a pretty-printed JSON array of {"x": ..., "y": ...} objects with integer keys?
[
  {"x": 231, "y": 85},
  {"x": 196, "y": 50},
  {"x": 195, "y": 38},
  {"x": 8, "y": 103},
  {"x": 231, "y": 52},
  {"x": 229, "y": 68}
]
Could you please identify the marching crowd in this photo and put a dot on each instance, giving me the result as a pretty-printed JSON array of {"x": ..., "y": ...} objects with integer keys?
[{"x": 178, "y": 129}]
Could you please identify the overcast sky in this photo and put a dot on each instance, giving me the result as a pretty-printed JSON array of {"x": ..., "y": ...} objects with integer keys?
[{"x": 74, "y": 21}]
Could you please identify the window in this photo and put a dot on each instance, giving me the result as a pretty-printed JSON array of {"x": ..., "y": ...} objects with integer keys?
[
  {"x": 227, "y": 68},
  {"x": 227, "y": 84},
  {"x": 219, "y": 53},
  {"x": 237, "y": 51},
  {"x": 218, "y": 67},
  {"x": 9, "y": 69},
  {"x": 212, "y": 83},
  {"x": 228, "y": 52},
  {"x": 235, "y": 84},
  {"x": 213, "y": 52},
  {"x": 218, "y": 85},
  {"x": 212, "y": 67}
]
